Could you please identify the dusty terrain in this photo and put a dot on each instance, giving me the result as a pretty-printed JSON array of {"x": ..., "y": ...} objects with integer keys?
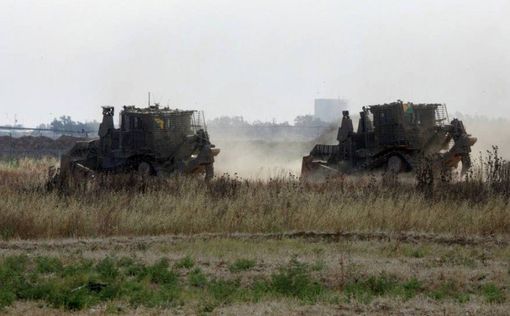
[{"x": 236, "y": 246}]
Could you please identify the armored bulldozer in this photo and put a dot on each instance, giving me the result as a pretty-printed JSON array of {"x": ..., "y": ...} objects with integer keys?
[
  {"x": 393, "y": 137},
  {"x": 149, "y": 141}
]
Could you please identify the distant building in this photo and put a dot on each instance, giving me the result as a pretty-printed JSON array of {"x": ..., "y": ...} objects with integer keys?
[{"x": 329, "y": 110}]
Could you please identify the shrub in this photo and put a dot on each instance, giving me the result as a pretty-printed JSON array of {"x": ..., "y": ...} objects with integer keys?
[
  {"x": 493, "y": 294},
  {"x": 364, "y": 290},
  {"x": 7, "y": 297},
  {"x": 223, "y": 290},
  {"x": 241, "y": 265},
  {"x": 197, "y": 278},
  {"x": 294, "y": 280},
  {"x": 159, "y": 273},
  {"x": 449, "y": 290},
  {"x": 107, "y": 269},
  {"x": 48, "y": 265},
  {"x": 185, "y": 263}
]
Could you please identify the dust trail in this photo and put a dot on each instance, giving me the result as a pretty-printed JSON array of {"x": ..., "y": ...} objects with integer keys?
[
  {"x": 490, "y": 132},
  {"x": 260, "y": 159}
]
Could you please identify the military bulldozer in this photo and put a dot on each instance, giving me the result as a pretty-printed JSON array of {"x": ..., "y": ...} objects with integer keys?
[
  {"x": 395, "y": 138},
  {"x": 149, "y": 141}
]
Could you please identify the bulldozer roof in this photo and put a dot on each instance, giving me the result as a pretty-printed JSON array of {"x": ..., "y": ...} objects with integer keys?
[
  {"x": 404, "y": 105},
  {"x": 155, "y": 110}
]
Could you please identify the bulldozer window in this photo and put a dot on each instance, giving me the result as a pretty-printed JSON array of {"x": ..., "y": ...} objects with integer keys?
[
  {"x": 135, "y": 122},
  {"x": 170, "y": 124},
  {"x": 385, "y": 117}
]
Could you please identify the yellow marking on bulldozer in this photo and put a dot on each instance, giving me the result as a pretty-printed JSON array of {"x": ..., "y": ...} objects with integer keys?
[
  {"x": 408, "y": 108},
  {"x": 159, "y": 122}
]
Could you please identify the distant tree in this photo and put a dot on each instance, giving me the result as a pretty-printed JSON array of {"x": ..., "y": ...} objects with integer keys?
[
  {"x": 273, "y": 123},
  {"x": 238, "y": 121},
  {"x": 228, "y": 121},
  {"x": 65, "y": 123},
  {"x": 309, "y": 121}
]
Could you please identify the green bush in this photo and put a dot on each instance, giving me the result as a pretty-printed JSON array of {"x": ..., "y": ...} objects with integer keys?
[
  {"x": 16, "y": 263},
  {"x": 7, "y": 297},
  {"x": 48, "y": 265},
  {"x": 260, "y": 288},
  {"x": 160, "y": 274},
  {"x": 363, "y": 290},
  {"x": 294, "y": 280},
  {"x": 107, "y": 269},
  {"x": 197, "y": 278},
  {"x": 186, "y": 263},
  {"x": 241, "y": 265},
  {"x": 83, "y": 266},
  {"x": 493, "y": 294},
  {"x": 418, "y": 252},
  {"x": 223, "y": 290},
  {"x": 411, "y": 288},
  {"x": 449, "y": 290}
]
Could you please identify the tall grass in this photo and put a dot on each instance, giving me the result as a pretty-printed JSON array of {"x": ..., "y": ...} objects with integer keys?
[{"x": 129, "y": 205}]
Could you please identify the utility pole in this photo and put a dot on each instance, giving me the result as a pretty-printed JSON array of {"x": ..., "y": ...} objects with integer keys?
[
  {"x": 11, "y": 143},
  {"x": 10, "y": 146}
]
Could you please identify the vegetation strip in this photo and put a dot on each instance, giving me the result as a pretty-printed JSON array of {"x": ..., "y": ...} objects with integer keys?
[
  {"x": 86, "y": 283},
  {"x": 127, "y": 283},
  {"x": 310, "y": 236}
]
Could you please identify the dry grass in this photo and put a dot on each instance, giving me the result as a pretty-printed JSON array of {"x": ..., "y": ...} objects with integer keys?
[
  {"x": 127, "y": 205},
  {"x": 376, "y": 275}
]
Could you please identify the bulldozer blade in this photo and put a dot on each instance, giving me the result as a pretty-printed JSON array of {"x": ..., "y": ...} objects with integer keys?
[{"x": 316, "y": 170}]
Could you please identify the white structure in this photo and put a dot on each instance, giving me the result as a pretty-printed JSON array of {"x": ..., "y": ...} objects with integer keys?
[{"x": 329, "y": 110}]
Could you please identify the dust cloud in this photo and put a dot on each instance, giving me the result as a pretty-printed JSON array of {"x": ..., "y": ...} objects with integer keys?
[
  {"x": 490, "y": 132},
  {"x": 260, "y": 159},
  {"x": 257, "y": 159}
]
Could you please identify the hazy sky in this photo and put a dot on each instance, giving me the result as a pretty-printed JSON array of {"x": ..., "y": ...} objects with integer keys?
[{"x": 258, "y": 59}]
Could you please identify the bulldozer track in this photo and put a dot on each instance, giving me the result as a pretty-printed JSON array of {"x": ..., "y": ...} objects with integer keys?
[{"x": 107, "y": 242}]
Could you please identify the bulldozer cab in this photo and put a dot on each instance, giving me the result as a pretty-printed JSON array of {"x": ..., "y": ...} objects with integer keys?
[
  {"x": 405, "y": 124},
  {"x": 154, "y": 119},
  {"x": 154, "y": 130}
]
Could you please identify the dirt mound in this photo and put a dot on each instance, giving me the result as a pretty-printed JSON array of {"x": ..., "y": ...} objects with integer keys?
[{"x": 35, "y": 143}]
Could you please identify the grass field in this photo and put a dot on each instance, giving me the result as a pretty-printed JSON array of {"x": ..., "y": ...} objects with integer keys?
[
  {"x": 233, "y": 246},
  {"x": 192, "y": 275}
]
